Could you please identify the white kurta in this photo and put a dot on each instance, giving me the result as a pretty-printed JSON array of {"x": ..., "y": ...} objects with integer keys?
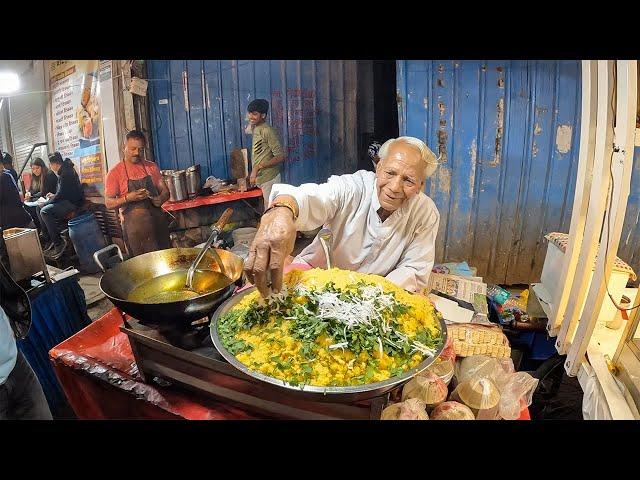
[{"x": 402, "y": 248}]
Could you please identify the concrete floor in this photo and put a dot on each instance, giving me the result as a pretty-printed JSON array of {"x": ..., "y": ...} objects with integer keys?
[{"x": 97, "y": 306}]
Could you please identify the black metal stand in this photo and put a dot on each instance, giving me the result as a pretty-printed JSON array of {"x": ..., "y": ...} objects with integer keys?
[{"x": 204, "y": 371}]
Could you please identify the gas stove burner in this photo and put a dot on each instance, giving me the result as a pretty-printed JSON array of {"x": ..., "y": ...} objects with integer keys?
[{"x": 186, "y": 337}]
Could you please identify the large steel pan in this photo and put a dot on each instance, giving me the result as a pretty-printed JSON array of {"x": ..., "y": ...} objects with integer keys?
[
  {"x": 119, "y": 282},
  {"x": 347, "y": 394}
]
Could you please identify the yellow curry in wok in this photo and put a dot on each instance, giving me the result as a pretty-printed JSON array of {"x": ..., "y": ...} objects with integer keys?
[{"x": 332, "y": 328}]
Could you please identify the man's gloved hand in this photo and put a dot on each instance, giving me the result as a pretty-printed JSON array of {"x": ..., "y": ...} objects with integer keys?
[{"x": 274, "y": 240}]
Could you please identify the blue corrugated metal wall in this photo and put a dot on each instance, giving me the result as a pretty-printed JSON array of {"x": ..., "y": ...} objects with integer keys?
[
  {"x": 198, "y": 113},
  {"x": 508, "y": 132}
]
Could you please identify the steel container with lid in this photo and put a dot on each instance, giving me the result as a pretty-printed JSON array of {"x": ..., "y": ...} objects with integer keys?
[
  {"x": 177, "y": 184},
  {"x": 194, "y": 181}
]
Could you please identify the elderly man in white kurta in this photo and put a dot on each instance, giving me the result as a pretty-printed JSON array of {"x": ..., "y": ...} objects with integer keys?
[{"x": 382, "y": 222}]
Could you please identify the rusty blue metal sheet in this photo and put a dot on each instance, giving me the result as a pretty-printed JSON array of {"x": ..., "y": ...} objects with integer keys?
[
  {"x": 507, "y": 133},
  {"x": 198, "y": 113}
]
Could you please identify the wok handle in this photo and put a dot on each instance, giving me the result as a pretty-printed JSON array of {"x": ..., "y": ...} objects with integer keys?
[
  {"x": 222, "y": 221},
  {"x": 108, "y": 248}
]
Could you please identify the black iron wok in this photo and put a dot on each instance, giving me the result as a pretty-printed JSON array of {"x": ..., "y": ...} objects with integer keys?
[{"x": 119, "y": 282}]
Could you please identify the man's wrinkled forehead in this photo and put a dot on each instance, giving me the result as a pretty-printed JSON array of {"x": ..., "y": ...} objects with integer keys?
[{"x": 404, "y": 154}]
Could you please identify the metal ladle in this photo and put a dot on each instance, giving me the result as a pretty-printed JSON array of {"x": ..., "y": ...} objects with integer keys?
[
  {"x": 326, "y": 236},
  {"x": 215, "y": 231}
]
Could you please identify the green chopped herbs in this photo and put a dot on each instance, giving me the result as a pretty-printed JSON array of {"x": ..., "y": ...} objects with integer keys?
[{"x": 361, "y": 317}]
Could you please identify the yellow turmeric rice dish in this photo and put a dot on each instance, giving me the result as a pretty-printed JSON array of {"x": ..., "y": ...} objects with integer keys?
[{"x": 332, "y": 328}]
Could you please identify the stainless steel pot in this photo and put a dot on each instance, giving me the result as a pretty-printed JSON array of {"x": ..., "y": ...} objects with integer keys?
[
  {"x": 177, "y": 183},
  {"x": 194, "y": 180}
]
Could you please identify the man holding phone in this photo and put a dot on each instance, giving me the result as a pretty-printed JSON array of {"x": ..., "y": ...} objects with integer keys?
[
  {"x": 68, "y": 198},
  {"x": 135, "y": 186}
]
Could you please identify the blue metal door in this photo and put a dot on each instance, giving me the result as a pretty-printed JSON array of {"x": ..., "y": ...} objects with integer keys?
[{"x": 508, "y": 133}]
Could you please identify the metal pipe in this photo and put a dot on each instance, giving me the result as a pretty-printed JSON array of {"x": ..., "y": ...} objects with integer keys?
[
  {"x": 326, "y": 236},
  {"x": 35, "y": 145}
]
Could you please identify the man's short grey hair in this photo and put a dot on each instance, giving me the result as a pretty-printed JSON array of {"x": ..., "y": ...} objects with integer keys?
[{"x": 427, "y": 156}]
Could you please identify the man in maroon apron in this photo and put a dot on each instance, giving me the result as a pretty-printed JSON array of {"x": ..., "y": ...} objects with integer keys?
[{"x": 136, "y": 187}]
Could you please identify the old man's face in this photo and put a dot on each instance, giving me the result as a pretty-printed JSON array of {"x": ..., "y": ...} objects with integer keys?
[{"x": 400, "y": 176}]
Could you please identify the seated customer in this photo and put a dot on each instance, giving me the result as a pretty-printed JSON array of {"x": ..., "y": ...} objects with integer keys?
[
  {"x": 68, "y": 198},
  {"x": 43, "y": 181},
  {"x": 7, "y": 164},
  {"x": 12, "y": 212}
]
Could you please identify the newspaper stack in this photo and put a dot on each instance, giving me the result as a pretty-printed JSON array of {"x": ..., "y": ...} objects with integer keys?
[
  {"x": 462, "y": 288},
  {"x": 456, "y": 281}
]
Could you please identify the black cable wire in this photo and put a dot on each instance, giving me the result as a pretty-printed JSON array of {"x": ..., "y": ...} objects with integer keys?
[{"x": 606, "y": 254}]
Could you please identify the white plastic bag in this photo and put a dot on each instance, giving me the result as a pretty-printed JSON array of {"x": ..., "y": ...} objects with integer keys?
[
  {"x": 594, "y": 403},
  {"x": 213, "y": 183},
  {"x": 516, "y": 395}
]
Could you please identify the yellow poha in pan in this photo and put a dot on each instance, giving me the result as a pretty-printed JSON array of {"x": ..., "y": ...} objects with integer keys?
[{"x": 332, "y": 328}]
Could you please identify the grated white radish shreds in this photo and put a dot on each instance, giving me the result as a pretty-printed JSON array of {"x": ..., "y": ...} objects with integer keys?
[{"x": 368, "y": 310}]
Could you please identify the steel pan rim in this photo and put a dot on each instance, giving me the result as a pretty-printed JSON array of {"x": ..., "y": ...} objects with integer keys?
[{"x": 369, "y": 388}]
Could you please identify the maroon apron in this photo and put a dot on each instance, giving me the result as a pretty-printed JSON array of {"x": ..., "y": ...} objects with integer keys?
[{"x": 144, "y": 226}]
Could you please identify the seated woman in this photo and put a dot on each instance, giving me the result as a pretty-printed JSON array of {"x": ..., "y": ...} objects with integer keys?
[
  {"x": 43, "y": 182},
  {"x": 12, "y": 212}
]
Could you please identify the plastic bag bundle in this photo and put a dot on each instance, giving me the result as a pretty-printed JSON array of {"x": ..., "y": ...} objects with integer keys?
[
  {"x": 481, "y": 395},
  {"x": 452, "y": 411},
  {"x": 443, "y": 368},
  {"x": 411, "y": 409},
  {"x": 448, "y": 352},
  {"x": 213, "y": 183},
  {"x": 516, "y": 395},
  {"x": 515, "y": 389},
  {"x": 426, "y": 386},
  {"x": 476, "y": 366},
  {"x": 497, "y": 369}
]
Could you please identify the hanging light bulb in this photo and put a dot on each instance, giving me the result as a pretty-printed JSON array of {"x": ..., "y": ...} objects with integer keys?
[{"x": 9, "y": 83}]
